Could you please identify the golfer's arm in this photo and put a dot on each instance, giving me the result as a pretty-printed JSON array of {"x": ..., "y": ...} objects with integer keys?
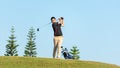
[{"x": 62, "y": 23}]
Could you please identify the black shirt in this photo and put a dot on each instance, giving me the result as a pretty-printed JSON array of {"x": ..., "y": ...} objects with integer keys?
[{"x": 57, "y": 29}]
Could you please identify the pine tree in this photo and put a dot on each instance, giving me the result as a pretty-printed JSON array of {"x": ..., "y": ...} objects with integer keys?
[
  {"x": 75, "y": 52},
  {"x": 30, "y": 49},
  {"x": 11, "y": 46}
]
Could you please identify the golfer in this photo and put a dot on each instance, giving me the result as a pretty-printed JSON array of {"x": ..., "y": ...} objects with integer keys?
[{"x": 58, "y": 36}]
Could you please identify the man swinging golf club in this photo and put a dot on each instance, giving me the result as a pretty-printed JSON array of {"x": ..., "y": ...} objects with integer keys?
[{"x": 58, "y": 36}]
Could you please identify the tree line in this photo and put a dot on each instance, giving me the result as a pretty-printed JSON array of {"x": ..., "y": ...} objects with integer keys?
[{"x": 30, "y": 48}]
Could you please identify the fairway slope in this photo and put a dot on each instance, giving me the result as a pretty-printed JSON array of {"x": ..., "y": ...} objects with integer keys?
[{"x": 27, "y": 62}]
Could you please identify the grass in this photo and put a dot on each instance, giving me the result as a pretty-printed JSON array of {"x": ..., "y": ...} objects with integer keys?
[{"x": 27, "y": 62}]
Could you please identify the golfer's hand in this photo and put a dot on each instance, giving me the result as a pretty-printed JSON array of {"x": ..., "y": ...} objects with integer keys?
[{"x": 62, "y": 22}]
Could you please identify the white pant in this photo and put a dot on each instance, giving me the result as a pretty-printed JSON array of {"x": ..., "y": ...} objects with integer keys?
[{"x": 57, "y": 46}]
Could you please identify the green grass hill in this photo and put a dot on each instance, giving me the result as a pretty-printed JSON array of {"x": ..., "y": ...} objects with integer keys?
[{"x": 28, "y": 62}]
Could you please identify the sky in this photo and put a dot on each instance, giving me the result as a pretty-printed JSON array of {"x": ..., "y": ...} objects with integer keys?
[{"x": 91, "y": 25}]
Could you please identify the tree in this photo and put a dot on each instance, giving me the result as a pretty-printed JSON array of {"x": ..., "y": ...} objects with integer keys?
[
  {"x": 75, "y": 52},
  {"x": 11, "y": 46},
  {"x": 31, "y": 46}
]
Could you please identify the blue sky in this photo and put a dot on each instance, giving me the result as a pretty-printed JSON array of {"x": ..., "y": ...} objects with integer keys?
[{"x": 92, "y": 25}]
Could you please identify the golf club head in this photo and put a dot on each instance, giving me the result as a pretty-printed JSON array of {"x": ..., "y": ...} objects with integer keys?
[{"x": 37, "y": 29}]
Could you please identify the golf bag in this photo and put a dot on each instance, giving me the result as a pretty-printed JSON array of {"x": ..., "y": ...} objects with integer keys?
[{"x": 66, "y": 54}]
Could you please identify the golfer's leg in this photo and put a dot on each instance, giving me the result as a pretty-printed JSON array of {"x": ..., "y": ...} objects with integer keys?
[
  {"x": 59, "y": 46},
  {"x": 55, "y": 47}
]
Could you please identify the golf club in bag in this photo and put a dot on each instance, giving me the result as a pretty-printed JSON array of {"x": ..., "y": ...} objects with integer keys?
[{"x": 65, "y": 53}]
